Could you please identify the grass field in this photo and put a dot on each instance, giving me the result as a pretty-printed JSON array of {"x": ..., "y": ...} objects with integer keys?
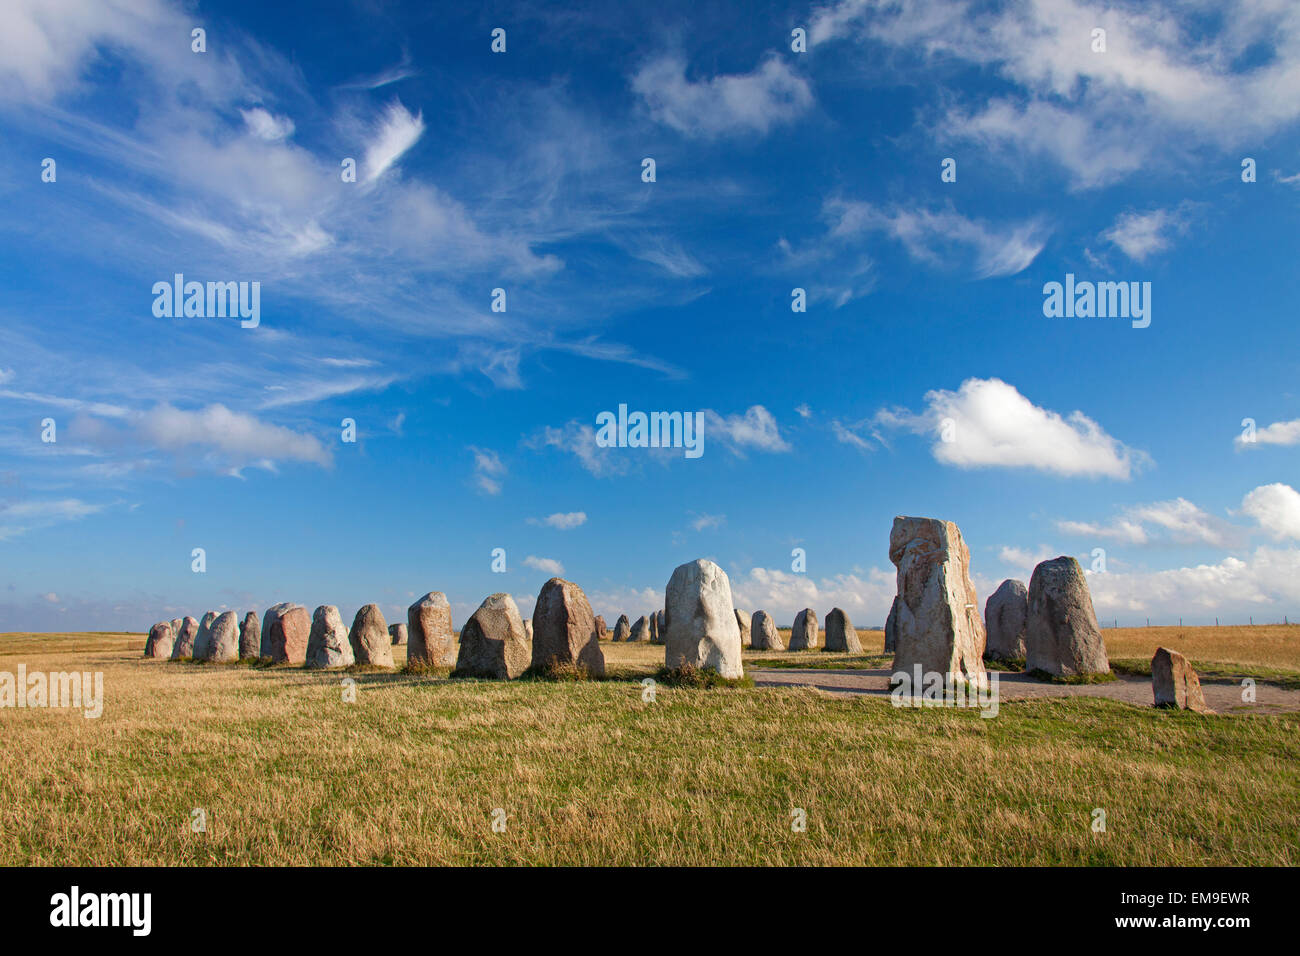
[{"x": 590, "y": 773}]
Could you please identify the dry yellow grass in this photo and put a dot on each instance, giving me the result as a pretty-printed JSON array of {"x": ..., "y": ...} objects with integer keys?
[{"x": 589, "y": 773}]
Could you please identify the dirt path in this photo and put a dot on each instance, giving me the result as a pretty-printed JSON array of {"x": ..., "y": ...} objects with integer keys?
[{"x": 1224, "y": 697}]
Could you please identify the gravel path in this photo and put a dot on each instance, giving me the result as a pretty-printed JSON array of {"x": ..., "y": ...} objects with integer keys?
[{"x": 1224, "y": 697}]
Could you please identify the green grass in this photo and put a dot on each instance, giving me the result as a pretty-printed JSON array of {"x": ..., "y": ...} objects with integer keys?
[{"x": 593, "y": 773}]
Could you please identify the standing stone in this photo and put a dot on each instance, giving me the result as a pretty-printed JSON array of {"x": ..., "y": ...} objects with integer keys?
[
  {"x": 1061, "y": 635},
  {"x": 654, "y": 627},
  {"x": 602, "y": 632},
  {"x": 250, "y": 637},
  {"x": 641, "y": 629},
  {"x": 430, "y": 636},
  {"x": 1175, "y": 684},
  {"x": 176, "y": 625},
  {"x": 891, "y": 628},
  {"x": 286, "y": 628},
  {"x": 203, "y": 639},
  {"x": 939, "y": 625},
  {"x": 327, "y": 645},
  {"x": 1005, "y": 616},
  {"x": 564, "y": 629},
  {"x": 622, "y": 630},
  {"x": 701, "y": 620},
  {"x": 528, "y": 628},
  {"x": 661, "y": 617},
  {"x": 369, "y": 638},
  {"x": 183, "y": 649},
  {"x": 223, "y": 638},
  {"x": 493, "y": 642},
  {"x": 162, "y": 638},
  {"x": 397, "y": 633},
  {"x": 803, "y": 636},
  {"x": 763, "y": 635},
  {"x": 742, "y": 622},
  {"x": 840, "y": 635}
]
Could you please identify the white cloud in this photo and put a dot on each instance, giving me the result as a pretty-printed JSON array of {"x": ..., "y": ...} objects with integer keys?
[
  {"x": 756, "y": 429},
  {"x": 488, "y": 470},
  {"x": 239, "y": 436},
  {"x": 804, "y": 411},
  {"x": 562, "y": 521},
  {"x": 1277, "y": 509},
  {"x": 992, "y": 425},
  {"x": 770, "y": 95},
  {"x": 936, "y": 237},
  {"x": 1159, "y": 83},
  {"x": 704, "y": 521},
  {"x": 580, "y": 441},
  {"x": 19, "y": 517},
  {"x": 846, "y": 435},
  {"x": 864, "y": 596},
  {"x": 1279, "y": 433},
  {"x": 1142, "y": 235},
  {"x": 1178, "y": 520},
  {"x": 547, "y": 565},
  {"x": 397, "y": 132},
  {"x": 265, "y": 126},
  {"x": 1267, "y": 580},
  {"x": 6, "y": 375}
]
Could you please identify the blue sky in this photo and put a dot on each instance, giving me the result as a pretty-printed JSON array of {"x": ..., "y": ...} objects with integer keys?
[{"x": 522, "y": 170}]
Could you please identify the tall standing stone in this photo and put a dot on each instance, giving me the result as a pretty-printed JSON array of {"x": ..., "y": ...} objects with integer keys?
[
  {"x": 1006, "y": 614},
  {"x": 1174, "y": 682},
  {"x": 250, "y": 637},
  {"x": 602, "y": 631},
  {"x": 742, "y": 622},
  {"x": 564, "y": 629},
  {"x": 640, "y": 630},
  {"x": 840, "y": 635},
  {"x": 493, "y": 642},
  {"x": 430, "y": 637},
  {"x": 701, "y": 620},
  {"x": 397, "y": 633},
  {"x": 803, "y": 635},
  {"x": 939, "y": 625},
  {"x": 891, "y": 628},
  {"x": 286, "y": 628},
  {"x": 654, "y": 627},
  {"x": 371, "y": 643},
  {"x": 176, "y": 625},
  {"x": 622, "y": 629},
  {"x": 203, "y": 639},
  {"x": 161, "y": 640},
  {"x": 763, "y": 635},
  {"x": 1061, "y": 636},
  {"x": 222, "y": 644},
  {"x": 327, "y": 645},
  {"x": 183, "y": 649}
]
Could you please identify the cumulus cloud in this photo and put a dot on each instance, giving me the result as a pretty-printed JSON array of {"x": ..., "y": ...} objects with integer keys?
[
  {"x": 266, "y": 126},
  {"x": 1277, "y": 509},
  {"x": 562, "y": 521},
  {"x": 237, "y": 436},
  {"x": 755, "y": 429},
  {"x": 1179, "y": 521},
  {"x": 754, "y": 102},
  {"x": 937, "y": 237},
  {"x": 1278, "y": 433},
  {"x": 866, "y": 596},
  {"x": 1142, "y": 235},
  {"x": 546, "y": 565},
  {"x": 988, "y": 423}
]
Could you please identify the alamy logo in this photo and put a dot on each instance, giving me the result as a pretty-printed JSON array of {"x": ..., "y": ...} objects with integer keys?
[
  {"x": 1102, "y": 300},
  {"x": 77, "y": 690},
  {"x": 933, "y": 689},
  {"x": 655, "y": 430},
  {"x": 102, "y": 909},
  {"x": 215, "y": 300}
]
